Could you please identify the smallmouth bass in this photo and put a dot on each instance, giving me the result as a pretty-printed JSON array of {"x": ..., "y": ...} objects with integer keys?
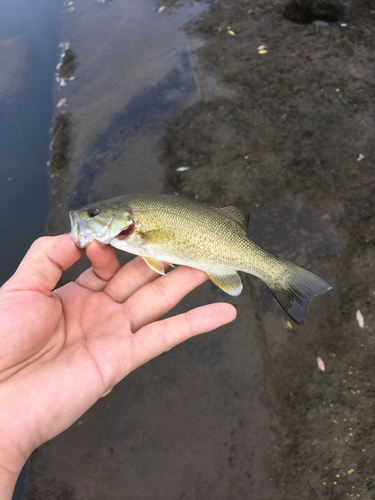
[{"x": 168, "y": 229}]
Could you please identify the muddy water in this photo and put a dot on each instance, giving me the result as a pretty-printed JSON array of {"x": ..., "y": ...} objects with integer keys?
[{"x": 287, "y": 130}]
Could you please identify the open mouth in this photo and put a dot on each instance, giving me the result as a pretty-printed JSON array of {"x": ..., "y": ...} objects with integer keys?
[
  {"x": 126, "y": 232},
  {"x": 83, "y": 233},
  {"x": 81, "y": 239},
  {"x": 74, "y": 223}
]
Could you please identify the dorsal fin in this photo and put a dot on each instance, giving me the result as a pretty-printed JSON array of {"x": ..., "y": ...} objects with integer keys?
[{"x": 239, "y": 214}]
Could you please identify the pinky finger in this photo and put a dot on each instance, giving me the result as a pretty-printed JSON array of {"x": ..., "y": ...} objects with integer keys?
[{"x": 158, "y": 337}]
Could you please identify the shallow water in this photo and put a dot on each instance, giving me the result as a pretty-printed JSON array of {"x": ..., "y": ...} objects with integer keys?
[
  {"x": 25, "y": 119},
  {"x": 136, "y": 69}
]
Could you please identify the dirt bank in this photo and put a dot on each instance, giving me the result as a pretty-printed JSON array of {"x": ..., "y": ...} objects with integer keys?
[{"x": 296, "y": 146}]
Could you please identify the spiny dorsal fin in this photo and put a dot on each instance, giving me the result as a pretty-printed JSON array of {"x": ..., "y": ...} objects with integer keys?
[{"x": 239, "y": 214}]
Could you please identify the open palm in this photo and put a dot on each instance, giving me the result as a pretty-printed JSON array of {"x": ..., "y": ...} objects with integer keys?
[{"x": 61, "y": 350}]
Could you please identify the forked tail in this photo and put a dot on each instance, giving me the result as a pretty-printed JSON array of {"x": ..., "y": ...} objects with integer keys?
[{"x": 296, "y": 292}]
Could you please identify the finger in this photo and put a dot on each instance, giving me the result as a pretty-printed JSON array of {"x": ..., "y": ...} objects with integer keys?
[
  {"x": 133, "y": 276},
  {"x": 42, "y": 266},
  {"x": 103, "y": 258},
  {"x": 158, "y": 337},
  {"x": 104, "y": 266},
  {"x": 160, "y": 296}
]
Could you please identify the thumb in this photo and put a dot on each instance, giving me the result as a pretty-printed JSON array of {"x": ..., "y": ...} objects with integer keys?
[{"x": 42, "y": 266}]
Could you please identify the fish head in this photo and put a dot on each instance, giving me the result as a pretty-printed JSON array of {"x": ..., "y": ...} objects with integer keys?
[{"x": 99, "y": 222}]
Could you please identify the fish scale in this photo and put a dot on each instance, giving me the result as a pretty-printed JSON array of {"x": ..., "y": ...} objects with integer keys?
[
  {"x": 222, "y": 237},
  {"x": 165, "y": 228}
]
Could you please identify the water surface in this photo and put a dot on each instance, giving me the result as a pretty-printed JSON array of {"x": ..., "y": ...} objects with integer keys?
[{"x": 25, "y": 120}]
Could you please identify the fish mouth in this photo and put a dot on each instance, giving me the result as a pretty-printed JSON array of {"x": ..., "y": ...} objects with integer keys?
[
  {"x": 78, "y": 231},
  {"x": 83, "y": 235},
  {"x": 74, "y": 223}
]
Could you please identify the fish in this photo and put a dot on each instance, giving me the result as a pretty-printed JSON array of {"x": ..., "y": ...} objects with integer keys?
[{"x": 166, "y": 229}]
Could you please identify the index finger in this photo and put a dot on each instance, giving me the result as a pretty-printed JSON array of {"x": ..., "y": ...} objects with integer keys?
[{"x": 42, "y": 266}]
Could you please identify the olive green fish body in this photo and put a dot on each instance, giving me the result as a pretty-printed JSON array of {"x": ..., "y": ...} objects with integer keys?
[{"x": 163, "y": 228}]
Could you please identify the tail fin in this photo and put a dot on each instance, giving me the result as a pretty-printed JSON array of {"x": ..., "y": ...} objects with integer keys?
[{"x": 298, "y": 290}]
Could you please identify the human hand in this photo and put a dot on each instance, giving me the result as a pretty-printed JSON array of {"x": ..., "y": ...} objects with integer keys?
[{"x": 61, "y": 350}]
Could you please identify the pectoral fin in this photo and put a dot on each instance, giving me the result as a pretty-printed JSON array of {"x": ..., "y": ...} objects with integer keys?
[
  {"x": 156, "y": 265},
  {"x": 230, "y": 282}
]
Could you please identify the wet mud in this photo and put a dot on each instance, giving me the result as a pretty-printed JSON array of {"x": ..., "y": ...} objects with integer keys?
[
  {"x": 288, "y": 147},
  {"x": 60, "y": 144},
  {"x": 244, "y": 412}
]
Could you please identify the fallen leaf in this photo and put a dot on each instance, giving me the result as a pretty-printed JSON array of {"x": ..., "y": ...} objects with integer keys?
[
  {"x": 61, "y": 103},
  {"x": 360, "y": 319},
  {"x": 231, "y": 32},
  {"x": 321, "y": 364},
  {"x": 287, "y": 323}
]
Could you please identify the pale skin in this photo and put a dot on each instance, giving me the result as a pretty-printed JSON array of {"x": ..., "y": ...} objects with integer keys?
[{"x": 61, "y": 350}]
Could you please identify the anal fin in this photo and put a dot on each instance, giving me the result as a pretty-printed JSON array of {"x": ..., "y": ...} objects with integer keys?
[
  {"x": 230, "y": 282},
  {"x": 155, "y": 264}
]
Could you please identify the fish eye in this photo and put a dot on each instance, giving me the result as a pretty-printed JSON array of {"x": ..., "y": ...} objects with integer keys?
[{"x": 93, "y": 212}]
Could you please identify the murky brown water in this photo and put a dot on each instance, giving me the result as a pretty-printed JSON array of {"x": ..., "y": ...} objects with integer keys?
[{"x": 243, "y": 412}]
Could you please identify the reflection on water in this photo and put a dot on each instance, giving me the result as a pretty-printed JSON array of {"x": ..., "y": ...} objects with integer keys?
[
  {"x": 25, "y": 118},
  {"x": 145, "y": 115},
  {"x": 136, "y": 69}
]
